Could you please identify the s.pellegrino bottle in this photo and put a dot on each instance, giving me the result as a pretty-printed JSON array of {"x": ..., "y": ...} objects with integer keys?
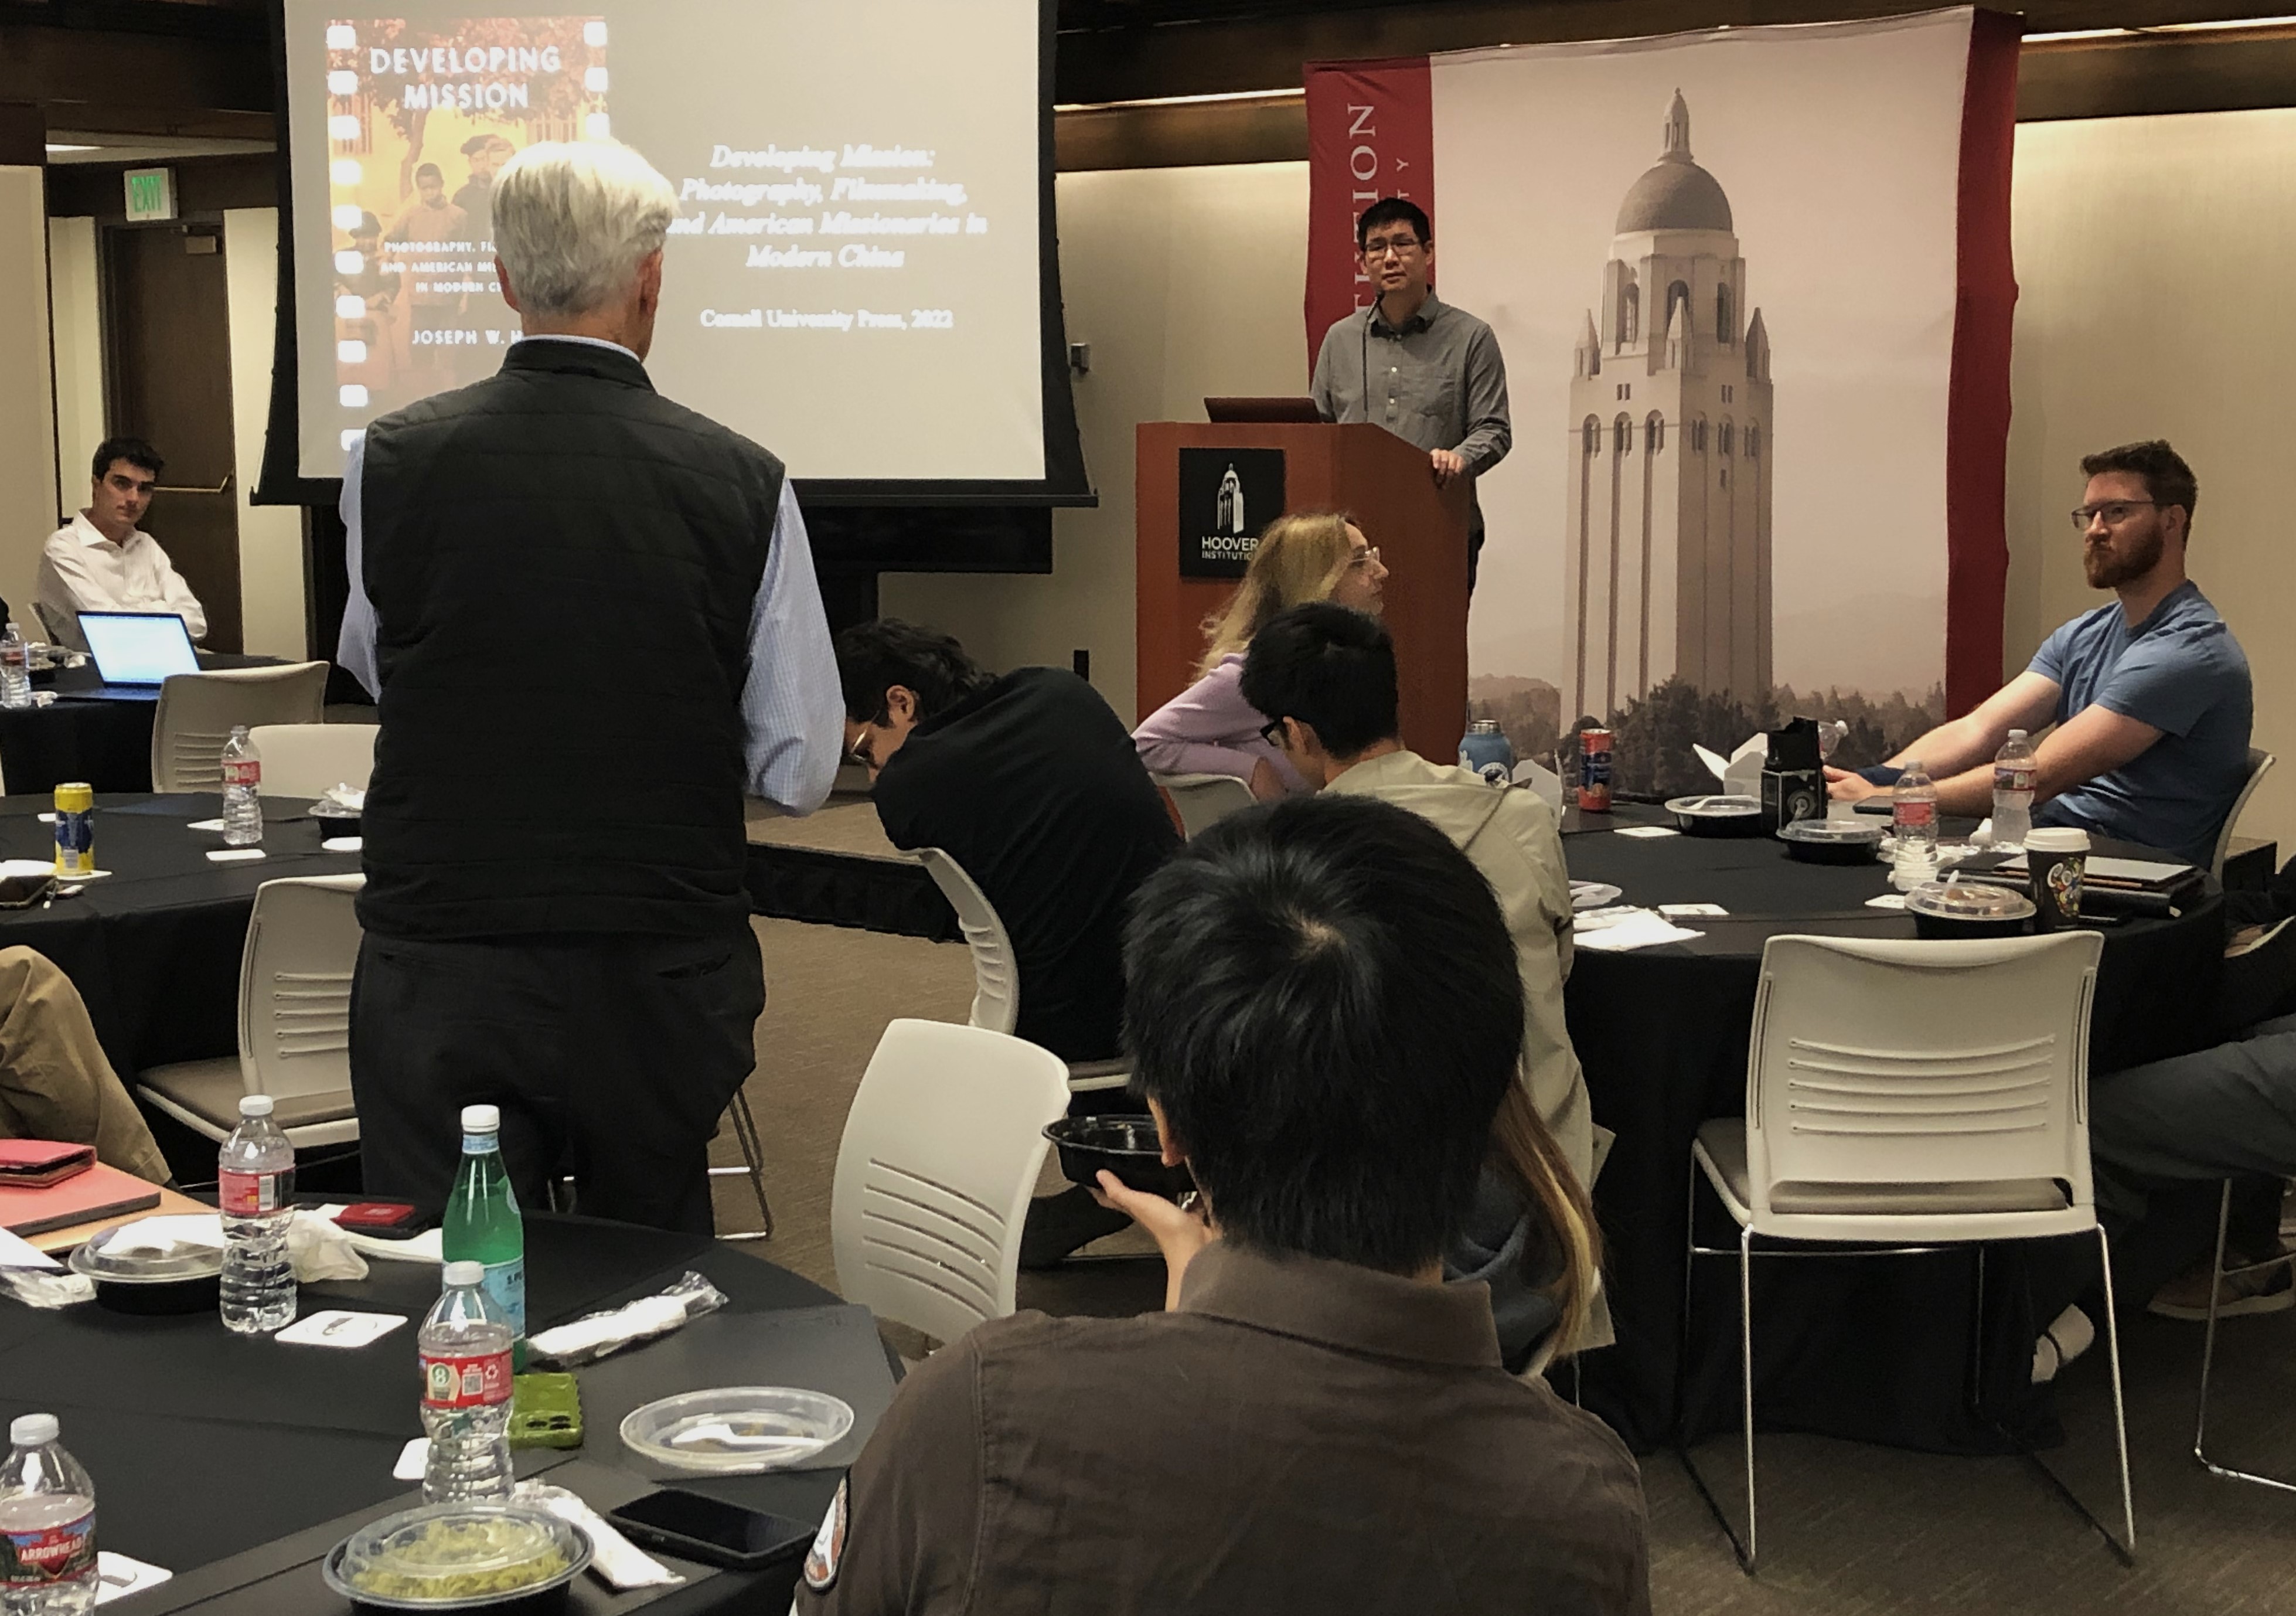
[
  {"x": 467, "y": 1386},
  {"x": 47, "y": 1525},
  {"x": 482, "y": 1223}
]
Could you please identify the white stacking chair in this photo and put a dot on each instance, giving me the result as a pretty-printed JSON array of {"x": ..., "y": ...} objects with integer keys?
[
  {"x": 197, "y": 712},
  {"x": 940, "y": 1156},
  {"x": 1923, "y": 1095},
  {"x": 2259, "y": 764},
  {"x": 2217, "y": 1274},
  {"x": 294, "y": 1021},
  {"x": 1203, "y": 800},
  {"x": 305, "y": 759},
  {"x": 996, "y": 976}
]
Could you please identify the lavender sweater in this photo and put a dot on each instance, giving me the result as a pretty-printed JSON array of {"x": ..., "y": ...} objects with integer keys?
[{"x": 1210, "y": 729}]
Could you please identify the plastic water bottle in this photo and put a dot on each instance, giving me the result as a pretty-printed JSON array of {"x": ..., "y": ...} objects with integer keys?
[
  {"x": 482, "y": 1223},
  {"x": 242, "y": 780},
  {"x": 1914, "y": 823},
  {"x": 255, "y": 1173},
  {"x": 466, "y": 1391},
  {"x": 47, "y": 1525},
  {"x": 2013, "y": 768},
  {"x": 15, "y": 671}
]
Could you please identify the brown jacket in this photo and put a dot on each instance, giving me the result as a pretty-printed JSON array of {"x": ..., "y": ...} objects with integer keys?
[{"x": 1299, "y": 1435}]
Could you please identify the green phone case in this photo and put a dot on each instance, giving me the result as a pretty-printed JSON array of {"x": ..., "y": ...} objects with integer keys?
[{"x": 545, "y": 1411}]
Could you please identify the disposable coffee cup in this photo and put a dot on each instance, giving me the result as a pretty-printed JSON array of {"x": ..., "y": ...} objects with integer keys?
[{"x": 2057, "y": 856}]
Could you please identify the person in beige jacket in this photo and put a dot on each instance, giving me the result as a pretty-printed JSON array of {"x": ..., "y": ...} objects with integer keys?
[{"x": 1325, "y": 677}]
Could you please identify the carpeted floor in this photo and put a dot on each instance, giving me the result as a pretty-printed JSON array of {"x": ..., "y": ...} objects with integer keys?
[{"x": 1847, "y": 1531}]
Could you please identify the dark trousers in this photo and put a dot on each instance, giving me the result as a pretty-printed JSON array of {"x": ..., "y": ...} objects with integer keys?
[{"x": 612, "y": 1058}]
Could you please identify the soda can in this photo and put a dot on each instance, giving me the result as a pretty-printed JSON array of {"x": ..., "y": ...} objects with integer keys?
[
  {"x": 75, "y": 829},
  {"x": 1594, "y": 770}
]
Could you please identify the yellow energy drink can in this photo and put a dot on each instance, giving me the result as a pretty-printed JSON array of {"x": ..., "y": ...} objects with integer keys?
[{"x": 75, "y": 828}]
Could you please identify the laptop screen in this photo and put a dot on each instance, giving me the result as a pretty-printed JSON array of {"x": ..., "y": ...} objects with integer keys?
[{"x": 138, "y": 647}]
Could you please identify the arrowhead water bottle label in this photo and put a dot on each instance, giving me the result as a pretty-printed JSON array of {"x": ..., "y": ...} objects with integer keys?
[
  {"x": 50, "y": 1553},
  {"x": 505, "y": 1283},
  {"x": 466, "y": 1382},
  {"x": 243, "y": 771},
  {"x": 247, "y": 1195}
]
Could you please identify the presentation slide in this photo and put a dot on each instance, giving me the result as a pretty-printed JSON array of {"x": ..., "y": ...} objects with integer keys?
[{"x": 853, "y": 277}]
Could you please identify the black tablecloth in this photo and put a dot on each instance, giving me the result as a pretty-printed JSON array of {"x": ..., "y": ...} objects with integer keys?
[
  {"x": 233, "y": 1461},
  {"x": 155, "y": 946},
  {"x": 108, "y": 744},
  {"x": 1874, "y": 1348}
]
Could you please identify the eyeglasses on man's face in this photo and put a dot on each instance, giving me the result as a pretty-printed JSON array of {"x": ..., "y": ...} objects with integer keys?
[
  {"x": 1364, "y": 557},
  {"x": 2111, "y": 512},
  {"x": 1403, "y": 246},
  {"x": 1272, "y": 732}
]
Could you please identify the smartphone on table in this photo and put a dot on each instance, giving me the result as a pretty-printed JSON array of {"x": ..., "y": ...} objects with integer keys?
[{"x": 696, "y": 1526}]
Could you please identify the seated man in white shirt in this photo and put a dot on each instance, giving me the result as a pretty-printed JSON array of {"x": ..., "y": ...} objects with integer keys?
[{"x": 101, "y": 561}]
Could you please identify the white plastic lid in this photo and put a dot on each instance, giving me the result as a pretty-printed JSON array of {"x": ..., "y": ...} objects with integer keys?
[
  {"x": 482, "y": 1119},
  {"x": 2016, "y": 735},
  {"x": 2057, "y": 838},
  {"x": 463, "y": 1273},
  {"x": 33, "y": 1430},
  {"x": 255, "y": 1105}
]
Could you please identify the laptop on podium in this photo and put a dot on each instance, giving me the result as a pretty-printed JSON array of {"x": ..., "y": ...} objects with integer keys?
[{"x": 135, "y": 653}]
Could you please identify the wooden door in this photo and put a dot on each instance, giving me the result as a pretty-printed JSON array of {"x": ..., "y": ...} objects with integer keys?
[{"x": 169, "y": 331}]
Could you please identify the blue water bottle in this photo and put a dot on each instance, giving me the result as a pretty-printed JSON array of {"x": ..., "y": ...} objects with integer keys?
[{"x": 1485, "y": 750}]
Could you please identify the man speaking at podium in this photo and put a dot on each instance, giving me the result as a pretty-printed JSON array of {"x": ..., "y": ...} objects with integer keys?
[{"x": 1427, "y": 371}]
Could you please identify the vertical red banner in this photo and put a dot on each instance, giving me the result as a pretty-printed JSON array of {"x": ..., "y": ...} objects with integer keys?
[
  {"x": 1977, "y": 420},
  {"x": 1370, "y": 133}
]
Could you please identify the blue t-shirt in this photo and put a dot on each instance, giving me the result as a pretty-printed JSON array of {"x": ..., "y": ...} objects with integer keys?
[{"x": 2180, "y": 671}]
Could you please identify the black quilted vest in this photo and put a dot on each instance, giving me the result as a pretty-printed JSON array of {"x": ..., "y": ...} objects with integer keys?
[{"x": 562, "y": 565}]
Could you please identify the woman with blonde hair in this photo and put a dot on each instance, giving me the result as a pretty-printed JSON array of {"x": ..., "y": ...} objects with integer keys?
[{"x": 1210, "y": 728}]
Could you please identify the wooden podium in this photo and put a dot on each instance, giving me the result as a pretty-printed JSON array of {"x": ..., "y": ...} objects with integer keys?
[{"x": 1381, "y": 482}]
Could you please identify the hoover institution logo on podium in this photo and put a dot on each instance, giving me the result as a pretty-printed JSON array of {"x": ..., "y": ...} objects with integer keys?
[
  {"x": 1667, "y": 557},
  {"x": 1227, "y": 498}
]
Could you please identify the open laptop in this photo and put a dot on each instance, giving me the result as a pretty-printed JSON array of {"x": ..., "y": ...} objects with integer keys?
[{"x": 135, "y": 651}]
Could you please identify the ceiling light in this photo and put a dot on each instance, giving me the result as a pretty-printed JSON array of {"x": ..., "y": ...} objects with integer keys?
[{"x": 53, "y": 148}]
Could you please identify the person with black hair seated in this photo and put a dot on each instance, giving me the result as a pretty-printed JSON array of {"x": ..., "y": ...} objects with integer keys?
[
  {"x": 1323, "y": 1013},
  {"x": 1031, "y": 782}
]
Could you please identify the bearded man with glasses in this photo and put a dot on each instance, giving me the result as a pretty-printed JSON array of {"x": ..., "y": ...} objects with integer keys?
[
  {"x": 2150, "y": 695},
  {"x": 1427, "y": 371}
]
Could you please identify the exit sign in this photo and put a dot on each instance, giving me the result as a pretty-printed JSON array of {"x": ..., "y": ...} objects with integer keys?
[{"x": 150, "y": 194}]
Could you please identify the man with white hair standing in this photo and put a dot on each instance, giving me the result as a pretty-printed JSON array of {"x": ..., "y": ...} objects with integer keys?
[{"x": 590, "y": 621}]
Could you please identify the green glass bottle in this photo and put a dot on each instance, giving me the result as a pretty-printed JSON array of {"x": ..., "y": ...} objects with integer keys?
[{"x": 482, "y": 1223}]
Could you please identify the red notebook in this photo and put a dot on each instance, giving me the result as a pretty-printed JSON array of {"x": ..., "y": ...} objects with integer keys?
[{"x": 100, "y": 1191}]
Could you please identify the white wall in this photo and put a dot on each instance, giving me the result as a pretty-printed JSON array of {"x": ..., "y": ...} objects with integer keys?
[
  {"x": 28, "y": 433},
  {"x": 77, "y": 321},
  {"x": 2154, "y": 302},
  {"x": 1186, "y": 282},
  {"x": 270, "y": 536}
]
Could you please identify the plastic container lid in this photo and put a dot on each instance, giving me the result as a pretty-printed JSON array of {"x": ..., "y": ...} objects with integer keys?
[
  {"x": 731, "y": 1430},
  {"x": 463, "y": 1273},
  {"x": 95, "y": 1259},
  {"x": 1718, "y": 807},
  {"x": 456, "y": 1555},
  {"x": 1973, "y": 901},
  {"x": 255, "y": 1105},
  {"x": 1832, "y": 832},
  {"x": 482, "y": 1119},
  {"x": 33, "y": 1430}
]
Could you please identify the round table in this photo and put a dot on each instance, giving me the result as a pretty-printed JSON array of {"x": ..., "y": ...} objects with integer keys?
[
  {"x": 1873, "y": 1349},
  {"x": 104, "y": 741},
  {"x": 235, "y": 1463},
  {"x": 155, "y": 946}
]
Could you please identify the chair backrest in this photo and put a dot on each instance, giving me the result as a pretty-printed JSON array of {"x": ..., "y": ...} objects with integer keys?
[
  {"x": 295, "y": 986},
  {"x": 2259, "y": 764},
  {"x": 304, "y": 760},
  {"x": 996, "y": 976},
  {"x": 1204, "y": 801},
  {"x": 197, "y": 712},
  {"x": 1895, "y": 1062},
  {"x": 940, "y": 1156}
]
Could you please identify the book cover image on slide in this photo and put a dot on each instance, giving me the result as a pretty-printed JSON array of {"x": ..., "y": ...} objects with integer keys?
[{"x": 420, "y": 118}]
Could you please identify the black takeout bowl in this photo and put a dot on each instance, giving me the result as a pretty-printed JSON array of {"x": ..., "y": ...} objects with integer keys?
[
  {"x": 1716, "y": 814},
  {"x": 1125, "y": 1145}
]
